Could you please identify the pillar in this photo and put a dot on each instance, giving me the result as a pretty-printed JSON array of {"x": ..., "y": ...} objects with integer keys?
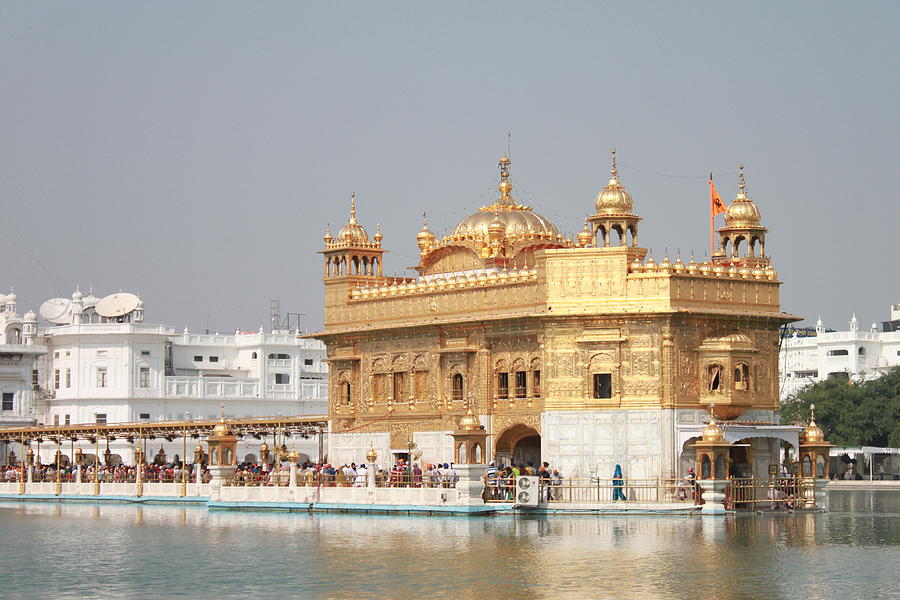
[{"x": 469, "y": 459}]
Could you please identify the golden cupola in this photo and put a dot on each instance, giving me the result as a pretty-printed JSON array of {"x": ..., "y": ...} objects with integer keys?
[
  {"x": 351, "y": 253},
  {"x": 614, "y": 213},
  {"x": 502, "y": 234},
  {"x": 518, "y": 220},
  {"x": 352, "y": 233},
  {"x": 742, "y": 212},
  {"x": 743, "y": 239},
  {"x": 812, "y": 433},
  {"x": 425, "y": 237},
  {"x": 613, "y": 199}
]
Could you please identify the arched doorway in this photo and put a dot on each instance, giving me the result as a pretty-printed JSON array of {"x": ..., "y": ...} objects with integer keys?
[{"x": 518, "y": 444}]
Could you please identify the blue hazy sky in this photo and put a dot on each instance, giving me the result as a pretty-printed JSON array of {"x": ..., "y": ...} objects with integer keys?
[{"x": 193, "y": 152}]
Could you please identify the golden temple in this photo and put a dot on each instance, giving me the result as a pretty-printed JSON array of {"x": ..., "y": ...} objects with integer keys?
[{"x": 584, "y": 353}]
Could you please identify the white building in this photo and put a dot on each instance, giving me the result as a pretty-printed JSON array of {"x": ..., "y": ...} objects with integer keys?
[
  {"x": 855, "y": 354},
  {"x": 96, "y": 361},
  {"x": 22, "y": 402}
]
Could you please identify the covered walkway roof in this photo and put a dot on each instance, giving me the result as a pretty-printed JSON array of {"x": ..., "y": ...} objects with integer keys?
[{"x": 308, "y": 425}]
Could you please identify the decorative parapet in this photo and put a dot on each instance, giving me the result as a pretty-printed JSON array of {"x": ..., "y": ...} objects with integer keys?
[
  {"x": 705, "y": 269},
  {"x": 441, "y": 284}
]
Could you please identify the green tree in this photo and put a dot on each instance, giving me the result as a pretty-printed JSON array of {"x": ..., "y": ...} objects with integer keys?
[{"x": 851, "y": 414}]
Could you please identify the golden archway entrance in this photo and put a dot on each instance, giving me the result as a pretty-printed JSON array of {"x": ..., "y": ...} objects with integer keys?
[{"x": 518, "y": 444}]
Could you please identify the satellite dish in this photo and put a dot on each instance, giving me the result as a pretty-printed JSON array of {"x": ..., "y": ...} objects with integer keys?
[
  {"x": 117, "y": 305},
  {"x": 56, "y": 311}
]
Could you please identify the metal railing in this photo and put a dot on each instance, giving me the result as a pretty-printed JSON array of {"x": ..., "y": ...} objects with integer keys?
[
  {"x": 252, "y": 478},
  {"x": 772, "y": 493},
  {"x": 599, "y": 491}
]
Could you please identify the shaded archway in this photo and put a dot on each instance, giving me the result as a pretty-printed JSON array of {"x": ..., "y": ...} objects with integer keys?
[{"x": 518, "y": 444}]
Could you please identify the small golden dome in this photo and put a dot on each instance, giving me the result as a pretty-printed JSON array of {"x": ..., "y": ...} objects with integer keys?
[
  {"x": 353, "y": 232},
  {"x": 425, "y": 237},
  {"x": 742, "y": 212},
  {"x": 371, "y": 455},
  {"x": 712, "y": 432},
  {"x": 221, "y": 429},
  {"x": 585, "y": 237},
  {"x": 666, "y": 265},
  {"x": 328, "y": 237},
  {"x": 378, "y": 236},
  {"x": 812, "y": 433},
  {"x": 636, "y": 266},
  {"x": 614, "y": 199},
  {"x": 496, "y": 228},
  {"x": 469, "y": 422}
]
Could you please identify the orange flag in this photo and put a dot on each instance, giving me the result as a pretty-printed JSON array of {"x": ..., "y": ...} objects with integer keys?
[{"x": 716, "y": 206}]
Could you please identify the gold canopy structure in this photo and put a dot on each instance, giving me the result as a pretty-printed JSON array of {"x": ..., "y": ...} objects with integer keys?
[{"x": 311, "y": 425}]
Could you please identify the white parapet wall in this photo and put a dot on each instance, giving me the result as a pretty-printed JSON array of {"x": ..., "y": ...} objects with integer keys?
[
  {"x": 108, "y": 490},
  {"x": 399, "y": 496}
]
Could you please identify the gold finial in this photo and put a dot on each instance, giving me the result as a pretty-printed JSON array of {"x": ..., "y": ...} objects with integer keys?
[
  {"x": 812, "y": 413},
  {"x": 328, "y": 237},
  {"x": 378, "y": 236},
  {"x": 614, "y": 171},
  {"x": 505, "y": 186},
  {"x": 424, "y": 220},
  {"x": 352, "y": 208},
  {"x": 742, "y": 184}
]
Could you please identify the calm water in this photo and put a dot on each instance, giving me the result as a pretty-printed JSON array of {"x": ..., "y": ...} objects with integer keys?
[{"x": 120, "y": 551}]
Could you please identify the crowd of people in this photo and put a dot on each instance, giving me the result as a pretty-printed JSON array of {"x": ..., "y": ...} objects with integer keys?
[
  {"x": 501, "y": 481},
  {"x": 400, "y": 474},
  {"x": 68, "y": 473}
]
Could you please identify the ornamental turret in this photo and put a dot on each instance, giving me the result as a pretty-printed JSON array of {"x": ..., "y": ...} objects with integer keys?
[
  {"x": 76, "y": 307},
  {"x": 614, "y": 213},
  {"x": 425, "y": 237},
  {"x": 29, "y": 328},
  {"x": 743, "y": 239},
  {"x": 9, "y": 305},
  {"x": 351, "y": 253}
]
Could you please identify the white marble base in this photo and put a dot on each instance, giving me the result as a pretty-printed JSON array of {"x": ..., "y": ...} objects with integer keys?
[{"x": 583, "y": 444}]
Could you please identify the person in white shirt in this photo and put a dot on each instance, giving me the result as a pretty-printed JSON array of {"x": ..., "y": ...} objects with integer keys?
[{"x": 361, "y": 474}]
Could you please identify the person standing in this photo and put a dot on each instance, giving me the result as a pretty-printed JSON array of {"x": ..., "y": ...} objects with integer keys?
[
  {"x": 556, "y": 485},
  {"x": 618, "y": 485}
]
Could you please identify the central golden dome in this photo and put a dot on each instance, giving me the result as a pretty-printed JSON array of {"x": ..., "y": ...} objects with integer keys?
[{"x": 518, "y": 220}]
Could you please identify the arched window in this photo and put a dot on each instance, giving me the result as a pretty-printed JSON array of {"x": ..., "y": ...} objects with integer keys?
[
  {"x": 254, "y": 356},
  {"x": 457, "y": 387},
  {"x": 714, "y": 378},
  {"x": 742, "y": 377},
  {"x": 345, "y": 392},
  {"x": 861, "y": 352},
  {"x": 704, "y": 467},
  {"x": 720, "y": 467}
]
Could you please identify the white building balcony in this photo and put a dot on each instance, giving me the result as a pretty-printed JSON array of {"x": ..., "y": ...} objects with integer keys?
[{"x": 204, "y": 388}]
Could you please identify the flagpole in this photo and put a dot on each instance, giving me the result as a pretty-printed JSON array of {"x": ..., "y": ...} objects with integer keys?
[{"x": 712, "y": 219}]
